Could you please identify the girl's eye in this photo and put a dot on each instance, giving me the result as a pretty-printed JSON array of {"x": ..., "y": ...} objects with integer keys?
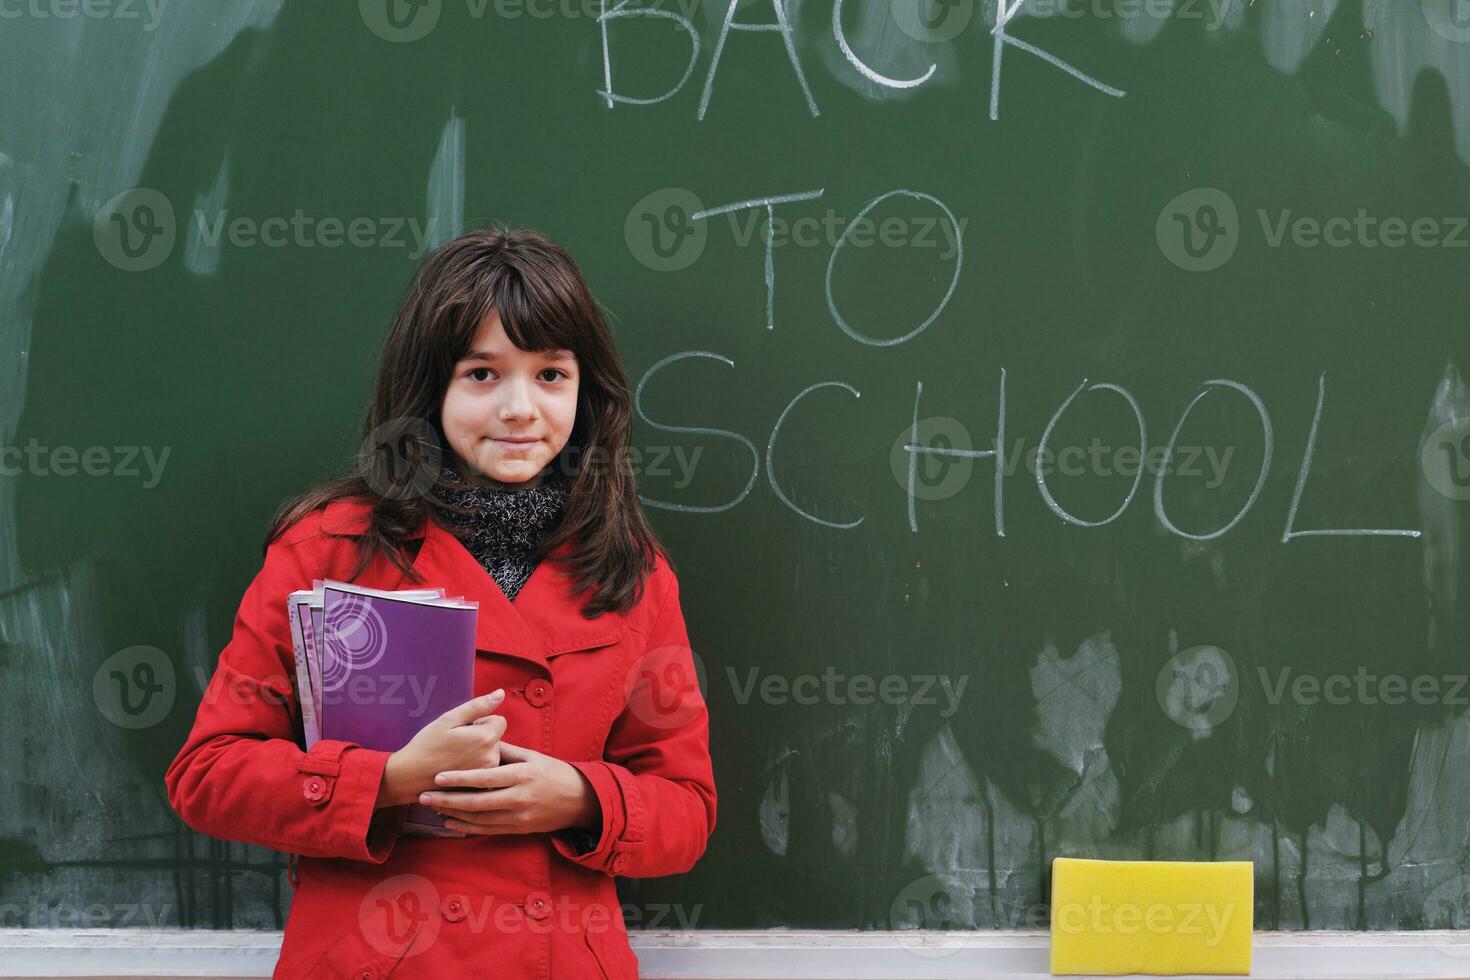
[
  {"x": 477, "y": 371},
  {"x": 554, "y": 371}
]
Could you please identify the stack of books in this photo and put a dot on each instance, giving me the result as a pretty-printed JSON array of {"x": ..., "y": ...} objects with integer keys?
[{"x": 374, "y": 666}]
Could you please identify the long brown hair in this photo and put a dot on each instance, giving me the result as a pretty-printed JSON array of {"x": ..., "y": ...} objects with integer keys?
[{"x": 544, "y": 304}]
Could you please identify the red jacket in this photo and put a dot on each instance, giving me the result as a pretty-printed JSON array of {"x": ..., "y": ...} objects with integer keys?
[{"x": 616, "y": 696}]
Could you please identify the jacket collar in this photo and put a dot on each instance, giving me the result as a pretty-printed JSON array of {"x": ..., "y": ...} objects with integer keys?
[
  {"x": 544, "y": 620},
  {"x": 350, "y": 516}
]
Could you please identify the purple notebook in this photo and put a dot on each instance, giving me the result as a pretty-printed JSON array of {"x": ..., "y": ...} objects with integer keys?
[{"x": 390, "y": 663}]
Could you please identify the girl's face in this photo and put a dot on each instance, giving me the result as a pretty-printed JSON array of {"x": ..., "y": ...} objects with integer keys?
[{"x": 508, "y": 412}]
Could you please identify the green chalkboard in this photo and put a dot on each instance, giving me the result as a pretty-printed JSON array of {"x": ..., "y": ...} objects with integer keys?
[{"x": 1213, "y": 256}]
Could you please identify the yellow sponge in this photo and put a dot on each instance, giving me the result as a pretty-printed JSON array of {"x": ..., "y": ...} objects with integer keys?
[{"x": 1160, "y": 917}]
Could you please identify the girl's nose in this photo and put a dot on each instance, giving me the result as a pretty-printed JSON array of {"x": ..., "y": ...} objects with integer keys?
[{"x": 518, "y": 403}]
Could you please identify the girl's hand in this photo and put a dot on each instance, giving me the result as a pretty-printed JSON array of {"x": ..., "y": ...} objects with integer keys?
[
  {"x": 464, "y": 737},
  {"x": 528, "y": 793}
]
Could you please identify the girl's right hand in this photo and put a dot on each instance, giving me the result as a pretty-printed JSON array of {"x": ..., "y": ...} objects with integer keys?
[{"x": 464, "y": 737}]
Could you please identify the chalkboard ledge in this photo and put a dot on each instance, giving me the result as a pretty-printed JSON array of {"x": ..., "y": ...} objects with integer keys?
[{"x": 787, "y": 955}]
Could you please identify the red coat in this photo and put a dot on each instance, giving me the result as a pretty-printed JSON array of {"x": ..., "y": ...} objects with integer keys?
[{"x": 616, "y": 696}]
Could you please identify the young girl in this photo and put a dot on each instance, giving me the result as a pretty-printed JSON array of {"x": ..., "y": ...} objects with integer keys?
[{"x": 495, "y": 467}]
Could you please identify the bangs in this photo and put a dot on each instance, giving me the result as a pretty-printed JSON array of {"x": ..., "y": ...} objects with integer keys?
[{"x": 536, "y": 315}]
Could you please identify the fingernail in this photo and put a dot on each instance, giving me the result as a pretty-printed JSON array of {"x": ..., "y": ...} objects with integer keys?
[
  {"x": 497, "y": 694},
  {"x": 424, "y": 798},
  {"x": 440, "y": 779}
]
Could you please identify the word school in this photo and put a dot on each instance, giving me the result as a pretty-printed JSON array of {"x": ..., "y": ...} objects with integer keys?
[{"x": 914, "y": 449}]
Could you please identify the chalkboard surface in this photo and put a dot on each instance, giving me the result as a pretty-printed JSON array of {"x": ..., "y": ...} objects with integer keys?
[{"x": 1204, "y": 264}]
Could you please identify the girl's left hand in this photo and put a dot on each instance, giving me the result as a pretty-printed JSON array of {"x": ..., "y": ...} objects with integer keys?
[{"x": 528, "y": 793}]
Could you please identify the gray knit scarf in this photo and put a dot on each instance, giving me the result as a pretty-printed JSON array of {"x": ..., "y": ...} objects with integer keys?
[{"x": 504, "y": 526}]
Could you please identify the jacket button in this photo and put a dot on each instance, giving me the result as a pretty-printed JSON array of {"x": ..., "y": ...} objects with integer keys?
[
  {"x": 314, "y": 788},
  {"x": 538, "y": 906},
  {"x": 538, "y": 693},
  {"x": 364, "y": 974},
  {"x": 453, "y": 908}
]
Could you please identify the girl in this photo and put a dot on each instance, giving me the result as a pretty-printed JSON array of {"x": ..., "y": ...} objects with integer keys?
[{"x": 495, "y": 467}]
